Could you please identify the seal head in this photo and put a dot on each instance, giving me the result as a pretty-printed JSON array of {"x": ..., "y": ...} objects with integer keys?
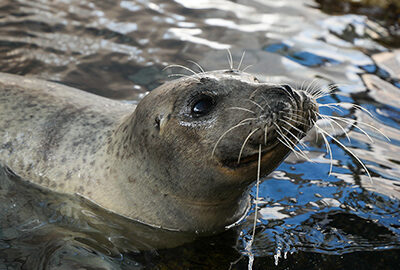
[{"x": 198, "y": 139}]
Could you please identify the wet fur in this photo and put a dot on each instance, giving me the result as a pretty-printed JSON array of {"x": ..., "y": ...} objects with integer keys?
[{"x": 153, "y": 163}]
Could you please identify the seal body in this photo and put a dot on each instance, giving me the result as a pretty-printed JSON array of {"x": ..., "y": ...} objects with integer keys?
[{"x": 183, "y": 159}]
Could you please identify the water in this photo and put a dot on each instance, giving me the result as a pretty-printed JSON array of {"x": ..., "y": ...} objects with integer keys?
[{"x": 307, "y": 219}]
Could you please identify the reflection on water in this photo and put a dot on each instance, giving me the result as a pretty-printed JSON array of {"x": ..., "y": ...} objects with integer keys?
[{"x": 307, "y": 219}]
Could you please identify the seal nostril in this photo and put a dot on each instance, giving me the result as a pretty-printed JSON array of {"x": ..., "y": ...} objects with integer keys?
[{"x": 288, "y": 89}]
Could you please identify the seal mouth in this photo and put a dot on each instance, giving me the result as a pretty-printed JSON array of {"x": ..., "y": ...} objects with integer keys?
[
  {"x": 246, "y": 161},
  {"x": 250, "y": 159}
]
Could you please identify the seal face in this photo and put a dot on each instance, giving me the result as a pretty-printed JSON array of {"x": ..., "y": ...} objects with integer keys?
[{"x": 183, "y": 159}]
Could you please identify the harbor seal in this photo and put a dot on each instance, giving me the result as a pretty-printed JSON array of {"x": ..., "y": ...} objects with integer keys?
[{"x": 183, "y": 159}]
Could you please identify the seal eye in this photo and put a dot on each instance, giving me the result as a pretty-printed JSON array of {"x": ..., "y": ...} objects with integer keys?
[{"x": 202, "y": 106}]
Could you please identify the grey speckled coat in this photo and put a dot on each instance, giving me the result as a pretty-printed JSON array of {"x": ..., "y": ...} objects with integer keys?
[{"x": 152, "y": 163}]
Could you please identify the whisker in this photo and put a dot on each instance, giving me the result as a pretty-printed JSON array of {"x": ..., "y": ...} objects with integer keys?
[
  {"x": 331, "y": 107},
  {"x": 266, "y": 102},
  {"x": 241, "y": 60},
  {"x": 302, "y": 85},
  {"x": 248, "y": 119},
  {"x": 292, "y": 126},
  {"x": 322, "y": 91},
  {"x": 324, "y": 117},
  {"x": 335, "y": 122},
  {"x": 250, "y": 243},
  {"x": 288, "y": 94},
  {"x": 255, "y": 103},
  {"x": 298, "y": 148},
  {"x": 351, "y": 153},
  {"x": 255, "y": 91},
  {"x": 360, "y": 123},
  {"x": 183, "y": 67},
  {"x": 230, "y": 59},
  {"x": 352, "y": 123},
  {"x": 257, "y": 189},
  {"x": 291, "y": 144},
  {"x": 310, "y": 88},
  {"x": 296, "y": 121},
  {"x": 244, "y": 143},
  {"x": 226, "y": 132},
  {"x": 353, "y": 105},
  {"x": 295, "y": 137},
  {"x": 265, "y": 134},
  {"x": 181, "y": 75},
  {"x": 287, "y": 142},
  {"x": 247, "y": 67},
  {"x": 197, "y": 65},
  {"x": 288, "y": 146},
  {"x": 243, "y": 109},
  {"x": 326, "y": 91},
  {"x": 327, "y": 146}
]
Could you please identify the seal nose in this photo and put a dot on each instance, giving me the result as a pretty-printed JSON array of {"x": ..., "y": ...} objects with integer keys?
[{"x": 290, "y": 91}]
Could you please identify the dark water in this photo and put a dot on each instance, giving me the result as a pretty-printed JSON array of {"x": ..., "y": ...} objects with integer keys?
[{"x": 307, "y": 219}]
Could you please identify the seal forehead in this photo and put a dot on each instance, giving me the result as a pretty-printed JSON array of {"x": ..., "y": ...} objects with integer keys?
[{"x": 235, "y": 75}]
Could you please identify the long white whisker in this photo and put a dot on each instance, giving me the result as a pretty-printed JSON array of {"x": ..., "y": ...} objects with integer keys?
[
  {"x": 292, "y": 126},
  {"x": 197, "y": 65},
  {"x": 326, "y": 118},
  {"x": 352, "y": 124},
  {"x": 181, "y": 75},
  {"x": 326, "y": 91},
  {"x": 226, "y": 132},
  {"x": 255, "y": 103},
  {"x": 294, "y": 136},
  {"x": 298, "y": 148},
  {"x": 230, "y": 59},
  {"x": 287, "y": 142},
  {"x": 327, "y": 146},
  {"x": 348, "y": 150},
  {"x": 288, "y": 146},
  {"x": 353, "y": 105},
  {"x": 265, "y": 134},
  {"x": 360, "y": 123},
  {"x": 243, "y": 109},
  {"x": 302, "y": 85},
  {"x": 335, "y": 122},
  {"x": 183, "y": 67},
  {"x": 266, "y": 102},
  {"x": 331, "y": 107},
  {"x": 250, "y": 243},
  {"x": 244, "y": 143},
  {"x": 296, "y": 121},
  {"x": 247, "y": 67},
  {"x": 248, "y": 119},
  {"x": 241, "y": 60},
  {"x": 310, "y": 88}
]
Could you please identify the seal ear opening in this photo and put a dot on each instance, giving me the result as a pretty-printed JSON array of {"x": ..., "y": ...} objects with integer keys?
[
  {"x": 157, "y": 121},
  {"x": 160, "y": 121}
]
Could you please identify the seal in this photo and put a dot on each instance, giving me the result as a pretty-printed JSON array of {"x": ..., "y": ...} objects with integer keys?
[{"x": 183, "y": 159}]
